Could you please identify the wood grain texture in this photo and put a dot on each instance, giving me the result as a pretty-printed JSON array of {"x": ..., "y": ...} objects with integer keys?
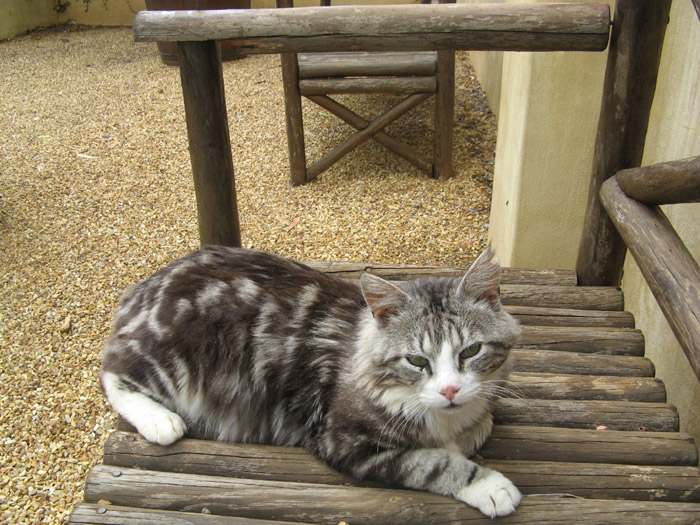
[
  {"x": 210, "y": 145},
  {"x": 610, "y": 341},
  {"x": 317, "y": 65},
  {"x": 668, "y": 268},
  {"x": 582, "y": 298},
  {"x": 628, "y": 90},
  {"x": 556, "y": 362},
  {"x": 369, "y": 85},
  {"x": 536, "y": 27},
  {"x": 534, "y": 316},
  {"x": 665, "y": 183},
  {"x": 320, "y": 503}
]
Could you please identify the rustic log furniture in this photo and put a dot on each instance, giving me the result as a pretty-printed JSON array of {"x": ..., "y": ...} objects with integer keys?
[
  {"x": 591, "y": 439},
  {"x": 416, "y": 76}
]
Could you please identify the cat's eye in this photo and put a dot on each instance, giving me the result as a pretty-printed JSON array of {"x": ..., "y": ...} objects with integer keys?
[
  {"x": 470, "y": 351},
  {"x": 417, "y": 360}
]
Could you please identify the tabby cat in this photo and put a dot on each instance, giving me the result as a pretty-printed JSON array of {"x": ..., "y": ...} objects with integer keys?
[{"x": 385, "y": 382}]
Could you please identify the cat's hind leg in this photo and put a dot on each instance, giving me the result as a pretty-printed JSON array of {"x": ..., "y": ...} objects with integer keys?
[{"x": 152, "y": 420}]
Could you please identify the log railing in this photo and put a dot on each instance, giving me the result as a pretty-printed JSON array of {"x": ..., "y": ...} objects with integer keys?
[{"x": 631, "y": 199}]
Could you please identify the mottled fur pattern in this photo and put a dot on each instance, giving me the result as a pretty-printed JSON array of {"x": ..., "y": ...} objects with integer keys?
[{"x": 385, "y": 382}]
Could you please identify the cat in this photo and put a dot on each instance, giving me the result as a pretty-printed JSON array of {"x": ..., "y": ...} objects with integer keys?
[{"x": 387, "y": 382}]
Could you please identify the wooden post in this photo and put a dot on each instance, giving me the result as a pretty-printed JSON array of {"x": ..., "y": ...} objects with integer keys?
[
  {"x": 628, "y": 91},
  {"x": 293, "y": 112},
  {"x": 210, "y": 146},
  {"x": 672, "y": 182},
  {"x": 444, "y": 112}
]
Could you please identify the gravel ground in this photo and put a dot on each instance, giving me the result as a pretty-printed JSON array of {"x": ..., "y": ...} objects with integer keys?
[{"x": 95, "y": 194}]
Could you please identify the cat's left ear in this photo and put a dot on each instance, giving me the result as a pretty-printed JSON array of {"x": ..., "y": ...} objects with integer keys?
[
  {"x": 482, "y": 280},
  {"x": 383, "y": 297}
]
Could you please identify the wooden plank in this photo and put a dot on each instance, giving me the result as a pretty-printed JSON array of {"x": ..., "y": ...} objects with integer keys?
[
  {"x": 403, "y": 272},
  {"x": 534, "y": 316},
  {"x": 664, "y": 183},
  {"x": 604, "y": 481},
  {"x": 331, "y": 86},
  {"x": 580, "y": 298},
  {"x": 331, "y": 504},
  {"x": 568, "y": 386},
  {"x": 94, "y": 513},
  {"x": 514, "y": 442},
  {"x": 610, "y": 341},
  {"x": 556, "y": 362},
  {"x": 394, "y": 145},
  {"x": 210, "y": 145},
  {"x": 537, "y": 27},
  {"x": 628, "y": 91},
  {"x": 358, "y": 138},
  {"x": 444, "y": 116},
  {"x": 669, "y": 269},
  {"x": 615, "y": 415},
  {"x": 315, "y": 65}
]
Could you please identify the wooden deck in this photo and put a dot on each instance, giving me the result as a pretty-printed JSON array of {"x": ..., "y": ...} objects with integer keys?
[{"x": 591, "y": 439}]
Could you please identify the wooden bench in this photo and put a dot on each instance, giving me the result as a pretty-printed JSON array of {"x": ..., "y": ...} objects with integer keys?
[{"x": 587, "y": 436}]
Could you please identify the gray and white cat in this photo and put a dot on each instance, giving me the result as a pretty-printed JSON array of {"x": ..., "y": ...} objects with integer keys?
[{"x": 387, "y": 382}]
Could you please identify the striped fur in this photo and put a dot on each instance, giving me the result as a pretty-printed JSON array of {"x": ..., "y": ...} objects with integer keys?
[{"x": 385, "y": 382}]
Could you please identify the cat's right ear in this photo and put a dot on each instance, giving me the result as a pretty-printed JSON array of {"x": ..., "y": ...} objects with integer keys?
[{"x": 383, "y": 297}]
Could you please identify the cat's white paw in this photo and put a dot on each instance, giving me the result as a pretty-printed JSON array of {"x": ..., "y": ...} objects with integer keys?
[
  {"x": 492, "y": 493},
  {"x": 164, "y": 428}
]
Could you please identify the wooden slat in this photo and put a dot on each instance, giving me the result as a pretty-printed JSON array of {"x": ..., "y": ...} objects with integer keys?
[
  {"x": 315, "y": 65},
  {"x": 582, "y": 298},
  {"x": 615, "y": 415},
  {"x": 556, "y": 362},
  {"x": 331, "y": 86},
  {"x": 534, "y": 316},
  {"x": 664, "y": 183},
  {"x": 536, "y": 27},
  {"x": 403, "y": 272},
  {"x": 610, "y": 341},
  {"x": 589, "y": 446},
  {"x": 668, "y": 267},
  {"x": 95, "y": 513},
  {"x": 567, "y": 386},
  {"x": 319, "y": 503}
]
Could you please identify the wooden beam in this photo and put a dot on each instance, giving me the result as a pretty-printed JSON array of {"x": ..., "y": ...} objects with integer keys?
[
  {"x": 665, "y": 183},
  {"x": 668, "y": 268},
  {"x": 323, "y": 65},
  {"x": 318, "y": 503},
  {"x": 609, "y": 341},
  {"x": 333, "y": 86},
  {"x": 210, "y": 145},
  {"x": 556, "y": 362},
  {"x": 628, "y": 90},
  {"x": 507, "y": 27},
  {"x": 389, "y": 142}
]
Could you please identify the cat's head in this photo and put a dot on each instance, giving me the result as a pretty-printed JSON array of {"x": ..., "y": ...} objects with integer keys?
[{"x": 439, "y": 344}]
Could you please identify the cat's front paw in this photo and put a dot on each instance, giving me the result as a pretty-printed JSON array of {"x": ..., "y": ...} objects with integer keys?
[
  {"x": 164, "y": 428},
  {"x": 492, "y": 493}
]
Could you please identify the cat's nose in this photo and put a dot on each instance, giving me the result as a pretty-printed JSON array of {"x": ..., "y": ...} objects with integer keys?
[{"x": 449, "y": 392}]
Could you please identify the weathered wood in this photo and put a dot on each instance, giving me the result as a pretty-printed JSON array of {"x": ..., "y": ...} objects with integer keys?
[
  {"x": 569, "y": 386},
  {"x": 330, "y": 86},
  {"x": 392, "y": 144},
  {"x": 331, "y": 504},
  {"x": 316, "y": 65},
  {"x": 696, "y": 5},
  {"x": 668, "y": 268},
  {"x": 532, "y": 315},
  {"x": 582, "y": 298},
  {"x": 665, "y": 183},
  {"x": 616, "y": 415},
  {"x": 592, "y": 480},
  {"x": 513, "y": 442},
  {"x": 610, "y": 341},
  {"x": 403, "y": 272},
  {"x": 556, "y": 362},
  {"x": 628, "y": 91},
  {"x": 95, "y": 513},
  {"x": 293, "y": 120},
  {"x": 367, "y": 133},
  {"x": 537, "y": 27},
  {"x": 444, "y": 115},
  {"x": 210, "y": 146}
]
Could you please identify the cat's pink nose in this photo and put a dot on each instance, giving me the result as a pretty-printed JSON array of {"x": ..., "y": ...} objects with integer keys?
[{"x": 449, "y": 392}]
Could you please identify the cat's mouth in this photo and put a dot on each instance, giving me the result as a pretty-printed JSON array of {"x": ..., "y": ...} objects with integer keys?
[{"x": 452, "y": 406}]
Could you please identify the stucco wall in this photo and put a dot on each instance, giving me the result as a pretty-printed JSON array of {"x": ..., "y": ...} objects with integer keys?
[{"x": 20, "y": 16}]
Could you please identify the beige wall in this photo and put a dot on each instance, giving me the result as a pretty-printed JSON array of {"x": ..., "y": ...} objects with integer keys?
[{"x": 20, "y": 16}]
